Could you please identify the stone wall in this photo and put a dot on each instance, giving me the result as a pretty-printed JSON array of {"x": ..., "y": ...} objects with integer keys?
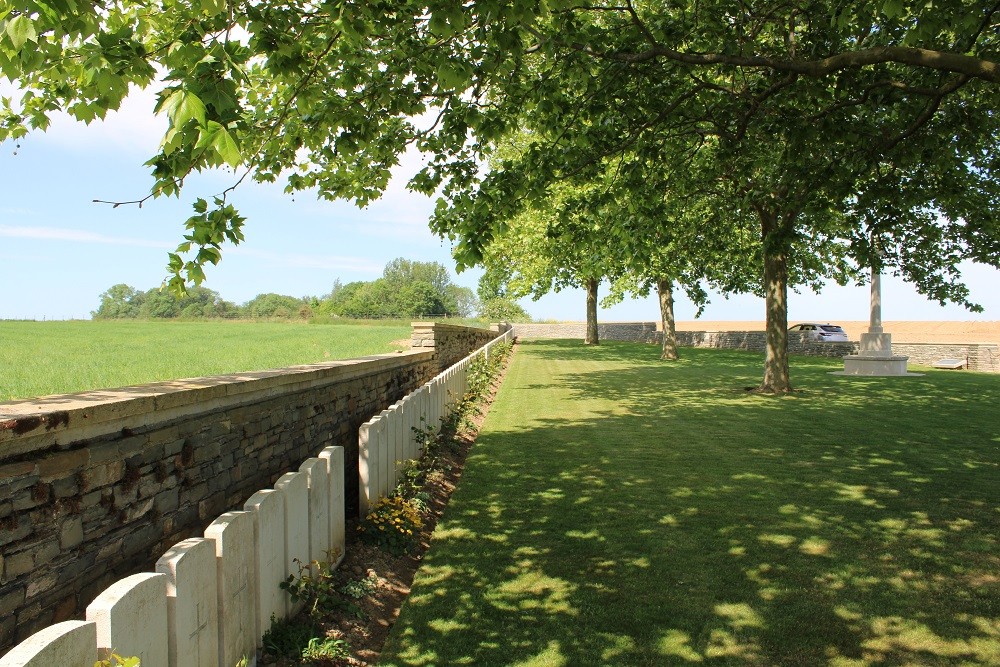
[
  {"x": 638, "y": 332},
  {"x": 451, "y": 343},
  {"x": 982, "y": 357},
  {"x": 95, "y": 486}
]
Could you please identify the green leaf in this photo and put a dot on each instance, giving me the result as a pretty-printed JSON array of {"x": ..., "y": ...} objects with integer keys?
[
  {"x": 226, "y": 147},
  {"x": 893, "y": 8},
  {"x": 182, "y": 106},
  {"x": 452, "y": 75},
  {"x": 20, "y": 30},
  {"x": 213, "y": 7}
]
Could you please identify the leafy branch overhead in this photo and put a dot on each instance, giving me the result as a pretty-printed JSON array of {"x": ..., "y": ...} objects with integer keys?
[{"x": 791, "y": 119}]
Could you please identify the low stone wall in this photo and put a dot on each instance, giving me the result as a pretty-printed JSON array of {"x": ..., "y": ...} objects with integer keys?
[
  {"x": 452, "y": 343},
  {"x": 639, "y": 332},
  {"x": 982, "y": 357},
  {"x": 95, "y": 486}
]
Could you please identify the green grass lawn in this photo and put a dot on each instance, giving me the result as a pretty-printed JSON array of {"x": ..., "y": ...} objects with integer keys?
[
  {"x": 39, "y": 358},
  {"x": 617, "y": 510}
]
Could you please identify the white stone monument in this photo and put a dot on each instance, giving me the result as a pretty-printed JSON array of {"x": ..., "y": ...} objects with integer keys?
[
  {"x": 875, "y": 357},
  {"x": 295, "y": 489},
  {"x": 268, "y": 509},
  {"x": 131, "y": 618},
  {"x": 192, "y": 603},
  {"x": 334, "y": 457},
  {"x": 237, "y": 586},
  {"x": 66, "y": 644},
  {"x": 318, "y": 515}
]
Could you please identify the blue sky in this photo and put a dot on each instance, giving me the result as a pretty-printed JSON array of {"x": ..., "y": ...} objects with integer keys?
[{"x": 59, "y": 251}]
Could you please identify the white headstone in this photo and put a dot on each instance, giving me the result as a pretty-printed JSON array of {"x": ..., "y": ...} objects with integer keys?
[
  {"x": 334, "y": 457},
  {"x": 237, "y": 586},
  {"x": 384, "y": 456},
  {"x": 318, "y": 479},
  {"x": 295, "y": 490},
  {"x": 367, "y": 466},
  {"x": 192, "y": 603},
  {"x": 131, "y": 618},
  {"x": 392, "y": 447},
  {"x": 268, "y": 509},
  {"x": 405, "y": 414},
  {"x": 66, "y": 644}
]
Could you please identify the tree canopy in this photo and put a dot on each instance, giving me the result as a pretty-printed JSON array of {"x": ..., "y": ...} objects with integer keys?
[
  {"x": 818, "y": 125},
  {"x": 406, "y": 289}
]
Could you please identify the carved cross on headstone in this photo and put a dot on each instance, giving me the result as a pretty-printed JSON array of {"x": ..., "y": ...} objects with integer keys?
[{"x": 195, "y": 636}]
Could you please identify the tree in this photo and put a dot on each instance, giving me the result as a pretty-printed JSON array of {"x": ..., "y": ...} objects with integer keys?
[
  {"x": 461, "y": 301},
  {"x": 791, "y": 150},
  {"x": 118, "y": 302},
  {"x": 406, "y": 289},
  {"x": 783, "y": 110},
  {"x": 562, "y": 241},
  {"x": 495, "y": 302},
  {"x": 273, "y": 305}
]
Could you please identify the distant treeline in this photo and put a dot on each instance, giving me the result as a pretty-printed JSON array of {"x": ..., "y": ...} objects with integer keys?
[{"x": 406, "y": 289}]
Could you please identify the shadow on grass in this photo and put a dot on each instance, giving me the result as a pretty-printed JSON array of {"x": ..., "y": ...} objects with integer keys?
[{"x": 617, "y": 511}]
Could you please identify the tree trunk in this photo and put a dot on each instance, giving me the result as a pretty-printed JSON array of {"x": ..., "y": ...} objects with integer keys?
[
  {"x": 776, "y": 378},
  {"x": 591, "y": 338},
  {"x": 665, "y": 288}
]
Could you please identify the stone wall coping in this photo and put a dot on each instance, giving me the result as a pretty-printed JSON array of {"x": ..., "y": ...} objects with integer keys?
[
  {"x": 29, "y": 425},
  {"x": 445, "y": 325}
]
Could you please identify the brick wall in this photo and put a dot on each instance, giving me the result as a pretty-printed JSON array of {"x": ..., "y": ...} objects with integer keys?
[
  {"x": 980, "y": 356},
  {"x": 97, "y": 485}
]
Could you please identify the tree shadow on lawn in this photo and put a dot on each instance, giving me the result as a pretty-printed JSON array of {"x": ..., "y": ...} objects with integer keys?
[{"x": 652, "y": 530}]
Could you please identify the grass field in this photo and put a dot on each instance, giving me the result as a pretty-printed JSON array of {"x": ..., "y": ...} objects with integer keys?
[
  {"x": 40, "y": 358},
  {"x": 617, "y": 510}
]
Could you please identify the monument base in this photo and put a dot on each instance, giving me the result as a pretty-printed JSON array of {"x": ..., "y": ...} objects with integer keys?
[
  {"x": 875, "y": 366},
  {"x": 876, "y": 345}
]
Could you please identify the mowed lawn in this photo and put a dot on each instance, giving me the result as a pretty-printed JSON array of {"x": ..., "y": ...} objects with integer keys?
[
  {"x": 41, "y": 358},
  {"x": 618, "y": 510}
]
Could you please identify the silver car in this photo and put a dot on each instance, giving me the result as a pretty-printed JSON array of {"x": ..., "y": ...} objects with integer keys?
[{"x": 823, "y": 333}]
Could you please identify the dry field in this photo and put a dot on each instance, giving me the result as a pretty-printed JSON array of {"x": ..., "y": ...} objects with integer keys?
[{"x": 912, "y": 331}]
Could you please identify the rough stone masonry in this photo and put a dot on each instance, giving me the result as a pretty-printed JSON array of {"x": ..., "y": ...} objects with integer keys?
[{"x": 96, "y": 486}]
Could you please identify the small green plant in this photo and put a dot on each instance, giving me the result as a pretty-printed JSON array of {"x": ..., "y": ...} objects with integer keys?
[
  {"x": 359, "y": 588},
  {"x": 316, "y": 585},
  {"x": 411, "y": 478},
  {"x": 392, "y": 524},
  {"x": 326, "y": 651},
  {"x": 287, "y": 637},
  {"x": 115, "y": 660}
]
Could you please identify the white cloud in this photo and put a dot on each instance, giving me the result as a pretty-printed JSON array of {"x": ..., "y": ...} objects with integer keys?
[{"x": 75, "y": 236}]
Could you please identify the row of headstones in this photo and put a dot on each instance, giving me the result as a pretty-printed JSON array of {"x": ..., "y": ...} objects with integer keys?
[
  {"x": 390, "y": 438},
  {"x": 211, "y": 598}
]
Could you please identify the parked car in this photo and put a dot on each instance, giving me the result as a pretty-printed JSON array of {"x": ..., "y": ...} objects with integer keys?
[{"x": 823, "y": 333}]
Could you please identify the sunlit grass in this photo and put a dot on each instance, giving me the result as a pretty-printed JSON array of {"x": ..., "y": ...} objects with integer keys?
[
  {"x": 618, "y": 510},
  {"x": 40, "y": 358}
]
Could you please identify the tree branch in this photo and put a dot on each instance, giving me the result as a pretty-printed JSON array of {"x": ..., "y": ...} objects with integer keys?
[{"x": 971, "y": 66}]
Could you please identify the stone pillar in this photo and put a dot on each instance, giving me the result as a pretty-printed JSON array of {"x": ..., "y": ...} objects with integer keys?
[
  {"x": 875, "y": 357},
  {"x": 875, "y": 343}
]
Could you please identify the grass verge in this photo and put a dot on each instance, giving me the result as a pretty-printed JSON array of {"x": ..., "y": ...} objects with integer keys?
[
  {"x": 40, "y": 358},
  {"x": 621, "y": 511}
]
